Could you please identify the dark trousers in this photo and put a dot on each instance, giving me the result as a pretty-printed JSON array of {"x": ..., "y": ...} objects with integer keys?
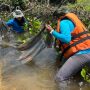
[{"x": 73, "y": 65}]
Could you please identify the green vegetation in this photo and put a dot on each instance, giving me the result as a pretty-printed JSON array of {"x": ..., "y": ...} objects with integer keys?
[
  {"x": 82, "y": 9},
  {"x": 85, "y": 73},
  {"x": 20, "y": 3}
]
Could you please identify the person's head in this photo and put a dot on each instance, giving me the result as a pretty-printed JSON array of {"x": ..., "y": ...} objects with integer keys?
[
  {"x": 18, "y": 14},
  {"x": 60, "y": 12}
]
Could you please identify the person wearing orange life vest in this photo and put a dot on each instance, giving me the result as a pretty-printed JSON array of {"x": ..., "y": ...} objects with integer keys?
[{"x": 74, "y": 40}]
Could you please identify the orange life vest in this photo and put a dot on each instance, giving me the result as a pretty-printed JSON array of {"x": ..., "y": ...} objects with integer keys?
[{"x": 80, "y": 37}]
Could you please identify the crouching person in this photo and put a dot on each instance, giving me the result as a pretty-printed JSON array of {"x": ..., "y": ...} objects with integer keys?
[
  {"x": 17, "y": 25},
  {"x": 74, "y": 40}
]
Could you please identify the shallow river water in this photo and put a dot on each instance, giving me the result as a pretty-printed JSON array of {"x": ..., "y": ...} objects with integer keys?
[{"x": 37, "y": 74}]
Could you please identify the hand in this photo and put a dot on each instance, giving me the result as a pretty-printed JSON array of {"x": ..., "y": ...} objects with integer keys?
[{"x": 48, "y": 27}]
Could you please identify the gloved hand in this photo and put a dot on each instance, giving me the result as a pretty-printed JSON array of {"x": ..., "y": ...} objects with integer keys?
[{"x": 48, "y": 27}]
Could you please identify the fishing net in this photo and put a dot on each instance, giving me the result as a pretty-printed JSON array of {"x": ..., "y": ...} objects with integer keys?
[{"x": 33, "y": 50}]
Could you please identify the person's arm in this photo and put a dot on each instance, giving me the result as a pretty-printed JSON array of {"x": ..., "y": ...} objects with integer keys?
[
  {"x": 9, "y": 23},
  {"x": 65, "y": 32}
]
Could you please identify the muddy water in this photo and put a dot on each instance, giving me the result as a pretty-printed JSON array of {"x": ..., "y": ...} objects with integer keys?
[
  {"x": 36, "y": 75},
  {"x": 28, "y": 77}
]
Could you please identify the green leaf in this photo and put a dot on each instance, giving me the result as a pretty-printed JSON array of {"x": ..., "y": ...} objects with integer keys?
[{"x": 83, "y": 73}]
